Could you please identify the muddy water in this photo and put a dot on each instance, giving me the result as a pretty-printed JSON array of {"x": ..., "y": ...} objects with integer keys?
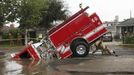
[{"x": 25, "y": 66}]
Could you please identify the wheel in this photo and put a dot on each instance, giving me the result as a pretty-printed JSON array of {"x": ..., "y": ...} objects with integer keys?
[{"x": 80, "y": 49}]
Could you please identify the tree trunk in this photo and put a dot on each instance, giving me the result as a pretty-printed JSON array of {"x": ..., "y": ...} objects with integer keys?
[{"x": 26, "y": 37}]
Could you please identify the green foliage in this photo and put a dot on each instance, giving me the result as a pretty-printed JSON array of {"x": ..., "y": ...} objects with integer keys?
[
  {"x": 5, "y": 36},
  {"x": 8, "y": 11},
  {"x": 54, "y": 11},
  {"x": 30, "y": 13},
  {"x": 129, "y": 40},
  {"x": 13, "y": 31}
]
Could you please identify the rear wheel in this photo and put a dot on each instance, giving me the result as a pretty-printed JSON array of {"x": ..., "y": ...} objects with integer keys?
[{"x": 80, "y": 49}]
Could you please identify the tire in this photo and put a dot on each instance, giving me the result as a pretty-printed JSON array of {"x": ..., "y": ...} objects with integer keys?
[{"x": 80, "y": 49}]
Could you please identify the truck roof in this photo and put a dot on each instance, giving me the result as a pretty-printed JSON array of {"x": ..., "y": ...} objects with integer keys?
[{"x": 66, "y": 21}]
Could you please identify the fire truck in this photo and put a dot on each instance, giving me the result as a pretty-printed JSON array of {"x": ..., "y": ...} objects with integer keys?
[{"x": 73, "y": 37}]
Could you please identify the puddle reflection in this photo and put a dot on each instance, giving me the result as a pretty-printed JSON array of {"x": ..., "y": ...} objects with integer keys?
[{"x": 25, "y": 67}]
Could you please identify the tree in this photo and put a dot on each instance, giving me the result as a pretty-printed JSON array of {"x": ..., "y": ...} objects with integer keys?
[
  {"x": 54, "y": 11},
  {"x": 29, "y": 14},
  {"x": 8, "y": 11},
  {"x": 32, "y": 13}
]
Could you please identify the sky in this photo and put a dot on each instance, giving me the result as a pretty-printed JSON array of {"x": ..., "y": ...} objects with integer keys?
[{"x": 106, "y": 9}]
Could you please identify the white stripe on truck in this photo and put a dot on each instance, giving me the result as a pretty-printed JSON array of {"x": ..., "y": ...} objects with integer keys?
[{"x": 93, "y": 31}]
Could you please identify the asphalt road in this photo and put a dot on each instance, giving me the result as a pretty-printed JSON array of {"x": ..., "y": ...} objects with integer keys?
[{"x": 96, "y": 64}]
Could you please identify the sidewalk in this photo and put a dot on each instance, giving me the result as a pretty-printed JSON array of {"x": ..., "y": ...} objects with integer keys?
[
  {"x": 112, "y": 43},
  {"x": 115, "y": 43}
]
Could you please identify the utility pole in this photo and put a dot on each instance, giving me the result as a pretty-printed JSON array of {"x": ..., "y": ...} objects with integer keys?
[{"x": 130, "y": 14}]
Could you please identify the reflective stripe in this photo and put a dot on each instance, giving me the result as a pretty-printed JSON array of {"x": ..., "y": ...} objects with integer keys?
[
  {"x": 38, "y": 54},
  {"x": 93, "y": 32}
]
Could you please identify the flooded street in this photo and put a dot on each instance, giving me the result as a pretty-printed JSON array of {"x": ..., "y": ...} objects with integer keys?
[
  {"x": 22, "y": 67},
  {"x": 91, "y": 65},
  {"x": 25, "y": 67}
]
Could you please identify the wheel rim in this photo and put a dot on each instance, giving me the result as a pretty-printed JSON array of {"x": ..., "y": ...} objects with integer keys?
[{"x": 81, "y": 49}]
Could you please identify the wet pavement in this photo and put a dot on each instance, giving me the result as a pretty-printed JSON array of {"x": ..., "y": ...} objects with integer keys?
[
  {"x": 9, "y": 66},
  {"x": 101, "y": 65},
  {"x": 91, "y": 65},
  {"x": 24, "y": 67}
]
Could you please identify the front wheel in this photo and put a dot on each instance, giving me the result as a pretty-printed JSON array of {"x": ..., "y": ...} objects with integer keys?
[{"x": 80, "y": 49}]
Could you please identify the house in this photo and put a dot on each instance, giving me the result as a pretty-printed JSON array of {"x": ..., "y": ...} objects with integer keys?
[
  {"x": 125, "y": 27},
  {"x": 111, "y": 25}
]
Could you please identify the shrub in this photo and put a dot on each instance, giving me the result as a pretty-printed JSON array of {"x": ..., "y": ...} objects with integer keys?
[{"x": 129, "y": 40}]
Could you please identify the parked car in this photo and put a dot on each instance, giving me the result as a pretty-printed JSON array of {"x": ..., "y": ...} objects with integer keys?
[{"x": 108, "y": 37}]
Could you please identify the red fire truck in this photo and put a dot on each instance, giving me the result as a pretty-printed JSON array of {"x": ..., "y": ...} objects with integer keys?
[{"x": 72, "y": 37}]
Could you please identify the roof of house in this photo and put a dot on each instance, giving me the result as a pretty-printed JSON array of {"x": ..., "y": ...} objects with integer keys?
[{"x": 127, "y": 22}]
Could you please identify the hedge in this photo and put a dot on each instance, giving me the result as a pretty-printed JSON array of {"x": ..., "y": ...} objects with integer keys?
[{"x": 129, "y": 40}]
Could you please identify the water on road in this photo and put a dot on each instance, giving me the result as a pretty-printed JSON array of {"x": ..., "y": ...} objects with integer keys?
[{"x": 42, "y": 67}]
